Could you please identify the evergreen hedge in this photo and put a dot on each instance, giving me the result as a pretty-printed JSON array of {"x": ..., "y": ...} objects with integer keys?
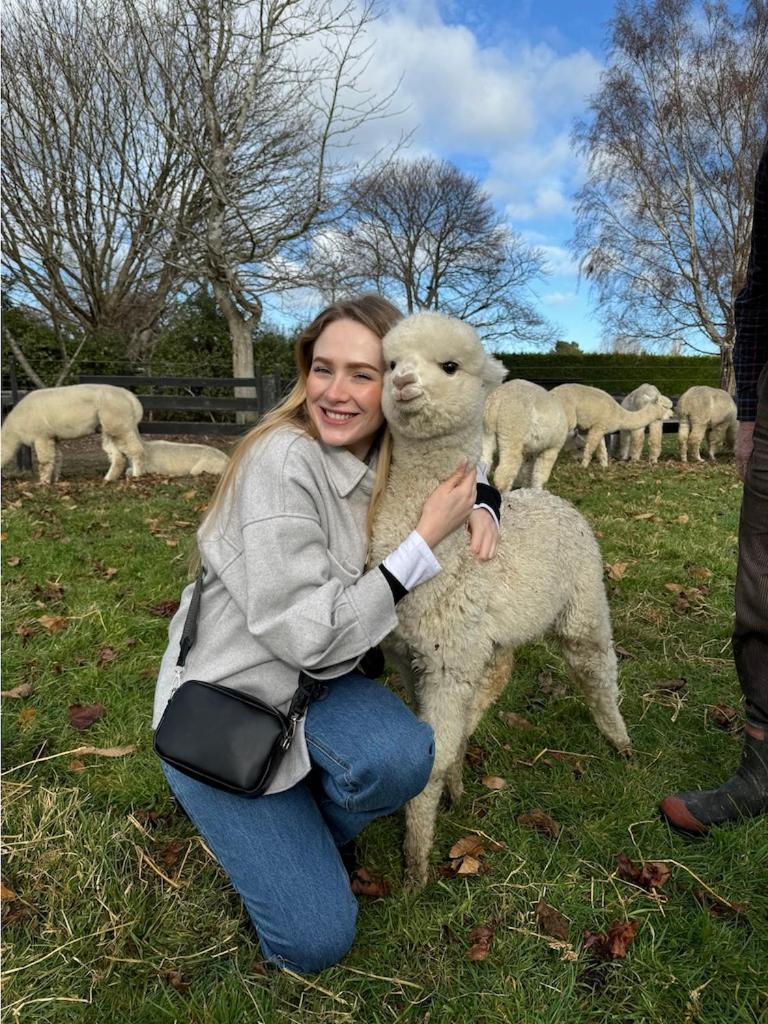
[{"x": 614, "y": 373}]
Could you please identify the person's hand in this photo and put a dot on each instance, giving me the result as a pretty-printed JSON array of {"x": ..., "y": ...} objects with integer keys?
[
  {"x": 743, "y": 451},
  {"x": 448, "y": 507},
  {"x": 483, "y": 534}
]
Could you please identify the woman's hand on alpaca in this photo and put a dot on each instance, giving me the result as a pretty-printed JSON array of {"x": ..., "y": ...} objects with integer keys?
[
  {"x": 449, "y": 506},
  {"x": 483, "y": 534}
]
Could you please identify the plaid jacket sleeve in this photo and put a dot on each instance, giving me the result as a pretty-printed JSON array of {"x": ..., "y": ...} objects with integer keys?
[{"x": 750, "y": 352}]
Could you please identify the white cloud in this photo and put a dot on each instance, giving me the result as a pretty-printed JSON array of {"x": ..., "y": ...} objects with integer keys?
[{"x": 559, "y": 298}]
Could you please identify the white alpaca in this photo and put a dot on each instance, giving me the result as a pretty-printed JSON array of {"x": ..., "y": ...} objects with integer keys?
[
  {"x": 630, "y": 446},
  {"x": 171, "y": 458},
  {"x": 702, "y": 410},
  {"x": 456, "y": 633},
  {"x": 596, "y": 412},
  {"x": 49, "y": 415},
  {"x": 528, "y": 425}
]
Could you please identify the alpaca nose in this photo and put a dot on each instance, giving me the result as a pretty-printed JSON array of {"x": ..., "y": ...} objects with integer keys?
[{"x": 403, "y": 377}]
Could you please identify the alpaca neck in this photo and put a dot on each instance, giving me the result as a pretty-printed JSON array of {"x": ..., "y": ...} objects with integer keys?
[
  {"x": 419, "y": 464},
  {"x": 632, "y": 419}
]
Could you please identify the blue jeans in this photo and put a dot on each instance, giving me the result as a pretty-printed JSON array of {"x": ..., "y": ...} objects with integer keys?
[{"x": 370, "y": 755}]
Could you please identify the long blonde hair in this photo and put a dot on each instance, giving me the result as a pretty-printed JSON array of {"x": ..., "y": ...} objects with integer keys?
[{"x": 373, "y": 312}]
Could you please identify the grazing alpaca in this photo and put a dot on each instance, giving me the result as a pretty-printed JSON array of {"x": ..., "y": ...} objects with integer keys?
[
  {"x": 594, "y": 411},
  {"x": 456, "y": 633},
  {"x": 630, "y": 445},
  {"x": 174, "y": 458},
  {"x": 53, "y": 414},
  {"x": 528, "y": 425},
  {"x": 702, "y": 410}
]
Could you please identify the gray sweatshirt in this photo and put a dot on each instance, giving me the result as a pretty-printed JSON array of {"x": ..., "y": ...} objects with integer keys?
[{"x": 284, "y": 586}]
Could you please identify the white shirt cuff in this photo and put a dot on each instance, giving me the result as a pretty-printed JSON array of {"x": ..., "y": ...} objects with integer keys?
[{"x": 413, "y": 562}]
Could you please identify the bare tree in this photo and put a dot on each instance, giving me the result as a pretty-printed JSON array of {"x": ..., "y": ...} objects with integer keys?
[
  {"x": 426, "y": 234},
  {"x": 97, "y": 200},
  {"x": 269, "y": 95},
  {"x": 673, "y": 142}
]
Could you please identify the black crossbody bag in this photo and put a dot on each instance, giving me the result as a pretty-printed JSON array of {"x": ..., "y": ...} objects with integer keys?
[{"x": 221, "y": 736}]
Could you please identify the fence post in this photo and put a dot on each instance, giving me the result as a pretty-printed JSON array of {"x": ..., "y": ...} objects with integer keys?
[{"x": 24, "y": 455}]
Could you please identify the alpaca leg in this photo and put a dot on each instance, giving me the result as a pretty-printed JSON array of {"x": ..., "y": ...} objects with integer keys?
[
  {"x": 593, "y": 440},
  {"x": 695, "y": 438},
  {"x": 45, "y": 450},
  {"x": 489, "y": 448},
  {"x": 715, "y": 438},
  {"x": 655, "y": 435},
  {"x": 602, "y": 452},
  {"x": 683, "y": 430},
  {"x": 117, "y": 461},
  {"x": 444, "y": 704},
  {"x": 494, "y": 681},
  {"x": 625, "y": 439},
  {"x": 129, "y": 444},
  {"x": 507, "y": 469},
  {"x": 637, "y": 438},
  {"x": 585, "y": 634},
  {"x": 542, "y": 467}
]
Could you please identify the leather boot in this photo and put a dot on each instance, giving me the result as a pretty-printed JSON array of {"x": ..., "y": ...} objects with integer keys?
[{"x": 744, "y": 795}]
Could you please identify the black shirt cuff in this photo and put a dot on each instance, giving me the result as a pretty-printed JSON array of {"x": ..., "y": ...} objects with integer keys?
[
  {"x": 488, "y": 495},
  {"x": 397, "y": 588}
]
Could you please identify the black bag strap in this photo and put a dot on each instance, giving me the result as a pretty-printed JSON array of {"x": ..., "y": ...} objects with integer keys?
[
  {"x": 189, "y": 630},
  {"x": 307, "y": 686}
]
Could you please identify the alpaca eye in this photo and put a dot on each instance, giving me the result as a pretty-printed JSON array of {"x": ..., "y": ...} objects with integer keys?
[
  {"x": 392, "y": 364},
  {"x": 450, "y": 367}
]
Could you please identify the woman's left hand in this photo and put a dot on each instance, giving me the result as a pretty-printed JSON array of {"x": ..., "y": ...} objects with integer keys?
[{"x": 483, "y": 534}]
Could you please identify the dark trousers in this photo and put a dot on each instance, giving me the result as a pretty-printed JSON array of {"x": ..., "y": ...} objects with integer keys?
[{"x": 750, "y": 635}]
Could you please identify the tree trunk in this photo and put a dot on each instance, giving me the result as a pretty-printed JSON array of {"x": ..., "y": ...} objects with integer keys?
[{"x": 727, "y": 377}]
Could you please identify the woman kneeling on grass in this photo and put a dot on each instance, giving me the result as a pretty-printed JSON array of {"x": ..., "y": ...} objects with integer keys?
[{"x": 283, "y": 546}]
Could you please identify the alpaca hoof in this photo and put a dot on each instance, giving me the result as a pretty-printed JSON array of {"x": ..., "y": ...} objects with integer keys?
[
  {"x": 626, "y": 753},
  {"x": 415, "y": 878}
]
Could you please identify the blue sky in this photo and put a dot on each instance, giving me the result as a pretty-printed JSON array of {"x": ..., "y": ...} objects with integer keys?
[{"x": 494, "y": 86}]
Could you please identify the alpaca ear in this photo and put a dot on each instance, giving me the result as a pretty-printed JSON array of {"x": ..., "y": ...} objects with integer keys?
[{"x": 494, "y": 372}]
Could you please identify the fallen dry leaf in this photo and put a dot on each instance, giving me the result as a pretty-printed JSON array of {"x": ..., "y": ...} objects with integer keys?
[
  {"x": 363, "y": 883},
  {"x": 700, "y": 572},
  {"x": 648, "y": 874},
  {"x": 481, "y": 938},
  {"x": 724, "y": 717},
  {"x": 170, "y": 853},
  {"x": 494, "y": 782},
  {"x": 24, "y": 631},
  {"x": 720, "y": 907},
  {"x": 683, "y": 518},
  {"x": 23, "y": 690},
  {"x": 26, "y": 716},
  {"x": 469, "y": 866},
  {"x": 165, "y": 610},
  {"x": 622, "y": 652},
  {"x": 468, "y": 846},
  {"x": 551, "y": 922},
  {"x": 106, "y": 655},
  {"x": 540, "y": 821},
  {"x": 54, "y": 623},
  {"x": 672, "y": 685},
  {"x": 14, "y": 560},
  {"x": 76, "y": 766},
  {"x": 617, "y": 571},
  {"x": 476, "y": 756},
  {"x": 6, "y": 893},
  {"x": 644, "y": 515},
  {"x": 176, "y": 980},
  {"x": 675, "y": 588},
  {"x": 515, "y": 721},
  {"x": 82, "y": 716},
  {"x": 613, "y": 944}
]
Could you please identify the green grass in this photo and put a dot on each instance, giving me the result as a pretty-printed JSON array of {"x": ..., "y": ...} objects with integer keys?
[{"x": 96, "y": 930}]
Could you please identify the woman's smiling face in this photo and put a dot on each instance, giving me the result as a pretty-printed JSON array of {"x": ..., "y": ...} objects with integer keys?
[{"x": 344, "y": 386}]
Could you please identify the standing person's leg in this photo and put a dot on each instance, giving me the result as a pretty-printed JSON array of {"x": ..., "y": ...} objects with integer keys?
[
  {"x": 745, "y": 794},
  {"x": 283, "y": 862}
]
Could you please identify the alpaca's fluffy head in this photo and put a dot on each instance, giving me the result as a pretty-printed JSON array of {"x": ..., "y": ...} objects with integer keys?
[{"x": 438, "y": 376}]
